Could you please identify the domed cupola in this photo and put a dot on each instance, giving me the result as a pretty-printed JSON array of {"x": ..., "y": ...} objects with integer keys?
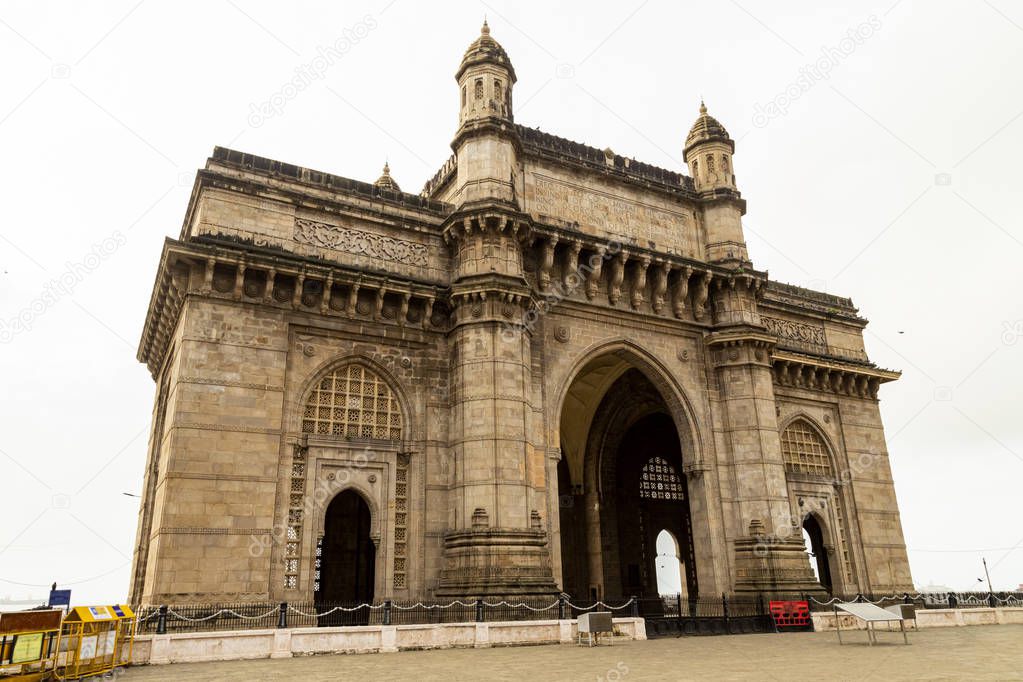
[
  {"x": 485, "y": 50},
  {"x": 485, "y": 78},
  {"x": 385, "y": 181},
  {"x": 708, "y": 151}
]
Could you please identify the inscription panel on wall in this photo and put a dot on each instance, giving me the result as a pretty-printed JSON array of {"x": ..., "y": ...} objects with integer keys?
[
  {"x": 603, "y": 213},
  {"x": 359, "y": 242}
]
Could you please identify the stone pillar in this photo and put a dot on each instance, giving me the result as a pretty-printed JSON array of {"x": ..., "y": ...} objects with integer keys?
[
  {"x": 499, "y": 544},
  {"x": 769, "y": 556}
]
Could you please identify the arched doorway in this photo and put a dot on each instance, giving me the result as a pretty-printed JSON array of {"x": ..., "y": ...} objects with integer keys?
[
  {"x": 620, "y": 484},
  {"x": 650, "y": 497},
  {"x": 813, "y": 536},
  {"x": 346, "y": 560},
  {"x": 670, "y": 570}
]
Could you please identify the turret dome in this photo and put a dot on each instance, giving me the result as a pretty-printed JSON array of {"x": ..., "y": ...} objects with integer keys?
[
  {"x": 706, "y": 129},
  {"x": 485, "y": 50}
]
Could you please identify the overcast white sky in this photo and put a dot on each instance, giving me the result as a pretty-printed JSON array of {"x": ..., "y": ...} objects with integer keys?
[{"x": 889, "y": 181}]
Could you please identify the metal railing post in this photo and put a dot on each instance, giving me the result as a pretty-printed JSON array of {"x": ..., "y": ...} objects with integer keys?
[
  {"x": 387, "y": 612},
  {"x": 635, "y": 606},
  {"x": 161, "y": 621},
  {"x": 561, "y": 607},
  {"x": 282, "y": 615},
  {"x": 680, "y": 605},
  {"x": 479, "y": 609}
]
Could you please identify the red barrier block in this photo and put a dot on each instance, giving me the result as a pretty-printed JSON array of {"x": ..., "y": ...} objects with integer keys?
[{"x": 790, "y": 614}]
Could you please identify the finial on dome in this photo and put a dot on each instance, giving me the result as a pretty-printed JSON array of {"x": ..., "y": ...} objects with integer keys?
[
  {"x": 486, "y": 27},
  {"x": 703, "y": 107},
  {"x": 385, "y": 181}
]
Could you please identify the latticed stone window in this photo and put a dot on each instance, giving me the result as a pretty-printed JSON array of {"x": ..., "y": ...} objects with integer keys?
[
  {"x": 352, "y": 402},
  {"x": 659, "y": 481},
  {"x": 803, "y": 450}
]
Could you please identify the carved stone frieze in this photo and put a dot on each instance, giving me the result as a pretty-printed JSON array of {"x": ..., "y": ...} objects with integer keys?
[{"x": 359, "y": 242}]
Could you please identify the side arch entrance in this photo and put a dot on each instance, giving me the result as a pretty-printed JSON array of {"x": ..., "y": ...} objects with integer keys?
[{"x": 346, "y": 560}]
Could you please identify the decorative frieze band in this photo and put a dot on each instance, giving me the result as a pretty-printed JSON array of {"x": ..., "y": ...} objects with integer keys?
[
  {"x": 795, "y": 331},
  {"x": 358, "y": 242}
]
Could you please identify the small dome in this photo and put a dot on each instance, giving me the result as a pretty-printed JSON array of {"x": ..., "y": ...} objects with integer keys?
[
  {"x": 385, "y": 181},
  {"x": 486, "y": 50},
  {"x": 706, "y": 129}
]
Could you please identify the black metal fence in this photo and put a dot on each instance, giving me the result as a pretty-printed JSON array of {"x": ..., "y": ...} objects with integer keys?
[
  {"x": 665, "y": 615},
  {"x": 681, "y": 615},
  {"x": 263, "y": 615},
  {"x": 922, "y": 600}
]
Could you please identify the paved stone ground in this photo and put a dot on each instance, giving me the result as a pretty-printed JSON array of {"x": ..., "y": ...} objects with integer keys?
[{"x": 976, "y": 653}]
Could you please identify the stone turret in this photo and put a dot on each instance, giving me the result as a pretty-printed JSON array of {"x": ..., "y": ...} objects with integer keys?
[
  {"x": 485, "y": 142},
  {"x": 708, "y": 151}
]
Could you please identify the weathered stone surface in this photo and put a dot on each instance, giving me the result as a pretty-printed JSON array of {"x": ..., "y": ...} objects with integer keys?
[{"x": 537, "y": 300}]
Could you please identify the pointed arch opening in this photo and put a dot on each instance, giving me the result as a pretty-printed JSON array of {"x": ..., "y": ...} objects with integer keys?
[
  {"x": 346, "y": 559},
  {"x": 625, "y": 439},
  {"x": 669, "y": 566},
  {"x": 816, "y": 550}
]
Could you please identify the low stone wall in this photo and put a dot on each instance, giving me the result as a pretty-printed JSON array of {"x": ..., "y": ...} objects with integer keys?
[
  {"x": 929, "y": 618},
  {"x": 191, "y": 647}
]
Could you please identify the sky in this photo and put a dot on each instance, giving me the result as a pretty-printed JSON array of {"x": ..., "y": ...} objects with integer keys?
[{"x": 873, "y": 145}]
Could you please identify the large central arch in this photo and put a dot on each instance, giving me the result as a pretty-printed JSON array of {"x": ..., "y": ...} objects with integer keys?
[{"x": 621, "y": 410}]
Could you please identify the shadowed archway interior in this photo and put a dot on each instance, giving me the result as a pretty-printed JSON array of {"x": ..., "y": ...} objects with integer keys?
[
  {"x": 632, "y": 489},
  {"x": 346, "y": 560},
  {"x": 817, "y": 551}
]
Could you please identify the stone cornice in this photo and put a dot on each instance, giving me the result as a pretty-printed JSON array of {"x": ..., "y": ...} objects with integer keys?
[
  {"x": 174, "y": 284},
  {"x": 860, "y": 380}
]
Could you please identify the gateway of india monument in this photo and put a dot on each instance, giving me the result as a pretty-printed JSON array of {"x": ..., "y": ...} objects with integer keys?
[{"x": 508, "y": 384}]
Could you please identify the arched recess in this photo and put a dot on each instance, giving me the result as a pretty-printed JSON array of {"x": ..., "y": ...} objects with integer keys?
[
  {"x": 346, "y": 569},
  {"x": 362, "y": 423},
  {"x": 805, "y": 448},
  {"x": 604, "y": 394},
  {"x": 813, "y": 527},
  {"x": 813, "y": 477},
  {"x": 368, "y": 364}
]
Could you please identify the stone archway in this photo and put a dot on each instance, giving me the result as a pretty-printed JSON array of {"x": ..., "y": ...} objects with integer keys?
[
  {"x": 813, "y": 533},
  {"x": 346, "y": 558},
  {"x": 616, "y": 428}
]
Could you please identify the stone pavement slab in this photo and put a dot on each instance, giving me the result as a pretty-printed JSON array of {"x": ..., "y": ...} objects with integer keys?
[{"x": 976, "y": 653}]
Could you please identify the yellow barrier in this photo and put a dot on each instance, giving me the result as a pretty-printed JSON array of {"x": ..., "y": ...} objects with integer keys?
[
  {"x": 95, "y": 640},
  {"x": 28, "y": 644}
]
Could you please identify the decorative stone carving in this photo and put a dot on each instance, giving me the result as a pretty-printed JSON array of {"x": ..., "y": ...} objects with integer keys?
[
  {"x": 593, "y": 280},
  {"x": 795, "y": 331},
  {"x": 614, "y": 293},
  {"x": 702, "y": 292},
  {"x": 359, "y": 242},
  {"x": 561, "y": 333},
  {"x": 660, "y": 286},
  {"x": 546, "y": 263},
  {"x": 639, "y": 282},
  {"x": 571, "y": 277},
  {"x": 480, "y": 518},
  {"x": 678, "y": 301}
]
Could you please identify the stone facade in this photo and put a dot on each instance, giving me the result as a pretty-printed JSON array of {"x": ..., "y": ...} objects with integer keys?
[{"x": 476, "y": 363}]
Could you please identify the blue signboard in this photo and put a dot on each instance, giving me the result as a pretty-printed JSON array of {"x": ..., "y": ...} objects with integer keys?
[{"x": 60, "y": 598}]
